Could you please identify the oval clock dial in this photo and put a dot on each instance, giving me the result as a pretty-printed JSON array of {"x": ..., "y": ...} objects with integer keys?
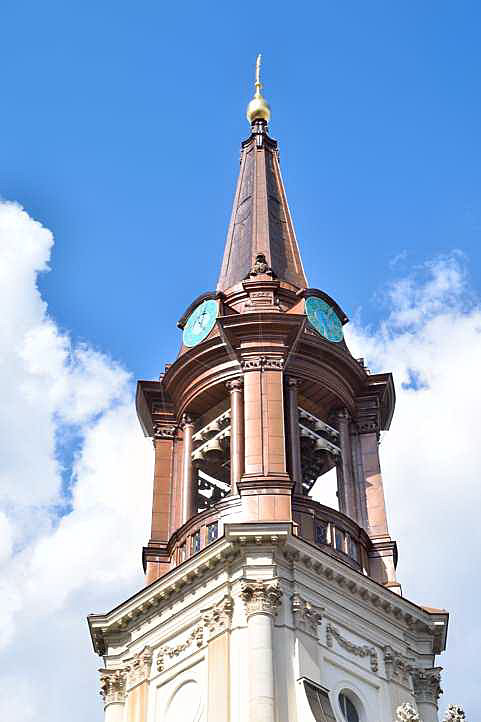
[
  {"x": 200, "y": 323},
  {"x": 324, "y": 319}
]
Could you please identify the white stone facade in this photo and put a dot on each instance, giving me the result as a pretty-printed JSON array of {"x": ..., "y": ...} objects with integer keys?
[{"x": 233, "y": 634}]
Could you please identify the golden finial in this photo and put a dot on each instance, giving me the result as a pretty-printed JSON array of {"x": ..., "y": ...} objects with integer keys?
[{"x": 258, "y": 108}]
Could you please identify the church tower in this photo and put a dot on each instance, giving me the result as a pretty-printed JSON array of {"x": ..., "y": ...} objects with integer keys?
[{"x": 261, "y": 604}]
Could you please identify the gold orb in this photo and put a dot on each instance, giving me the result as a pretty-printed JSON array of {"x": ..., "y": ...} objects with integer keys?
[{"x": 258, "y": 109}]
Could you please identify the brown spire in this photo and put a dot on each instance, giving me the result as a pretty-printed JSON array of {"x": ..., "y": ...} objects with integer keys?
[{"x": 261, "y": 224}]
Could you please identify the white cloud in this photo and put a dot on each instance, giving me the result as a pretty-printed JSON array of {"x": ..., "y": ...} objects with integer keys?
[
  {"x": 55, "y": 390},
  {"x": 431, "y": 457},
  {"x": 57, "y": 569}
]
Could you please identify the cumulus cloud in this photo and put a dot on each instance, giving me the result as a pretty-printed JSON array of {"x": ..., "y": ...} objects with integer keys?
[
  {"x": 430, "y": 339},
  {"x": 70, "y": 532}
]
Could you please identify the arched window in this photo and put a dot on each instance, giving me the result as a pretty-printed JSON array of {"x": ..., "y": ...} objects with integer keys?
[{"x": 348, "y": 708}]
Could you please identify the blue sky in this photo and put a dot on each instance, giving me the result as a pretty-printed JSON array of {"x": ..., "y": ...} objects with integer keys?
[
  {"x": 120, "y": 129},
  {"x": 121, "y": 126}
]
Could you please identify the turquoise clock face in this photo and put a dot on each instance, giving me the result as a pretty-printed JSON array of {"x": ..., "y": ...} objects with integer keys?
[
  {"x": 324, "y": 319},
  {"x": 200, "y": 323}
]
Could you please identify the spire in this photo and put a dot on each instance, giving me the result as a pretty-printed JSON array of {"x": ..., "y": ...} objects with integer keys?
[
  {"x": 258, "y": 108},
  {"x": 260, "y": 229}
]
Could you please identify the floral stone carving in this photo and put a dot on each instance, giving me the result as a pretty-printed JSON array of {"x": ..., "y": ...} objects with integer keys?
[
  {"x": 358, "y": 650},
  {"x": 407, "y": 713},
  {"x": 196, "y": 636},
  {"x": 454, "y": 713}
]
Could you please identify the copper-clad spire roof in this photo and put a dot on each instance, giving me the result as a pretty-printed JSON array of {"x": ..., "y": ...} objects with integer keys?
[{"x": 261, "y": 224}]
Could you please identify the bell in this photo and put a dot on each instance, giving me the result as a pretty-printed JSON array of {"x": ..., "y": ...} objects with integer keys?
[
  {"x": 197, "y": 456},
  {"x": 214, "y": 446}
]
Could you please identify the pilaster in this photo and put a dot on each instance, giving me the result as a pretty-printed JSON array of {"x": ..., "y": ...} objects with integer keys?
[
  {"x": 265, "y": 486},
  {"x": 138, "y": 672}
]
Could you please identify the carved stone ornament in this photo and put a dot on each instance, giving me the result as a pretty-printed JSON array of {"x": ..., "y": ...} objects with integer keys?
[
  {"x": 454, "y": 713},
  {"x": 217, "y": 619},
  {"x": 234, "y": 385},
  {"x": 407, "y": 713},
  {"x": 357, "y": 650},
  {"x": 112, "y": 685},
  {"x": 306, "y": 616},
  {"x": 261, "y": 597},
  {"x": 260, "y": 363},
  {"x": 260, "y": 267},
  {"x": 187, "y": 421},
  {"x": 138, "y": 667},
  {"x": 161, "y": 431},
  {"x": 427, "y": 684},
  {"x": 195, "y": 637},
  {"x": 398, "y": 667}
]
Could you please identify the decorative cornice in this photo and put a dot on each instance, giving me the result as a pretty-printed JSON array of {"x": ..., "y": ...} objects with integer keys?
[
  {"x": 407, "y": 713},
  {"x": 454, "y": 713},
  {"x": 112, "y": 685},
  {"x": 427, "y": 684},
  {"x": 151, "y": 600},
  {"x": 263, "y": 363},
  {"x": 234, "y": 385},
  {"x": 138, "y": 667},
  {"x": 398, "y": 667},
  {"x": 161, "y": 431},
  {"x": 196, "y": 636},
  {"x": 306, "y": 616},
  {"x": 261, "y": 597},
  {"x": 359, "y": 651}
]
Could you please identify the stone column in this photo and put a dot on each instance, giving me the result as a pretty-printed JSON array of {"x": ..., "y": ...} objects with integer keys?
[
  {"x": 345, "y": 484},
  {"x": 261, "y": 599},
  {"x": 188, "y": 492},
  {"x": 112, "y": 691},
  {"x": 237, "y": 433},
  {"x": 138, "y": 673},
  {"x": 427, "y": 690},
  {"x": 295, "y": 441}
]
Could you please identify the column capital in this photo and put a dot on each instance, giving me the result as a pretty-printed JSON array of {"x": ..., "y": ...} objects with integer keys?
[
  {"x": 112, "y": 685},
  {"x": 235, "y": 385},
  {"x": 218, "y": 618},
  {"x": 293, "y": 382},
  {"x": 342, "y": 414},
  {"x": 187, "y": 420},
  {"x": 427, "y": 684},
  {"x": 261, "y": 597},
  {"x": 306, "y": 615},
  {"x": 407, "y": 713},
  {"x": 138, "y": 667}
]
